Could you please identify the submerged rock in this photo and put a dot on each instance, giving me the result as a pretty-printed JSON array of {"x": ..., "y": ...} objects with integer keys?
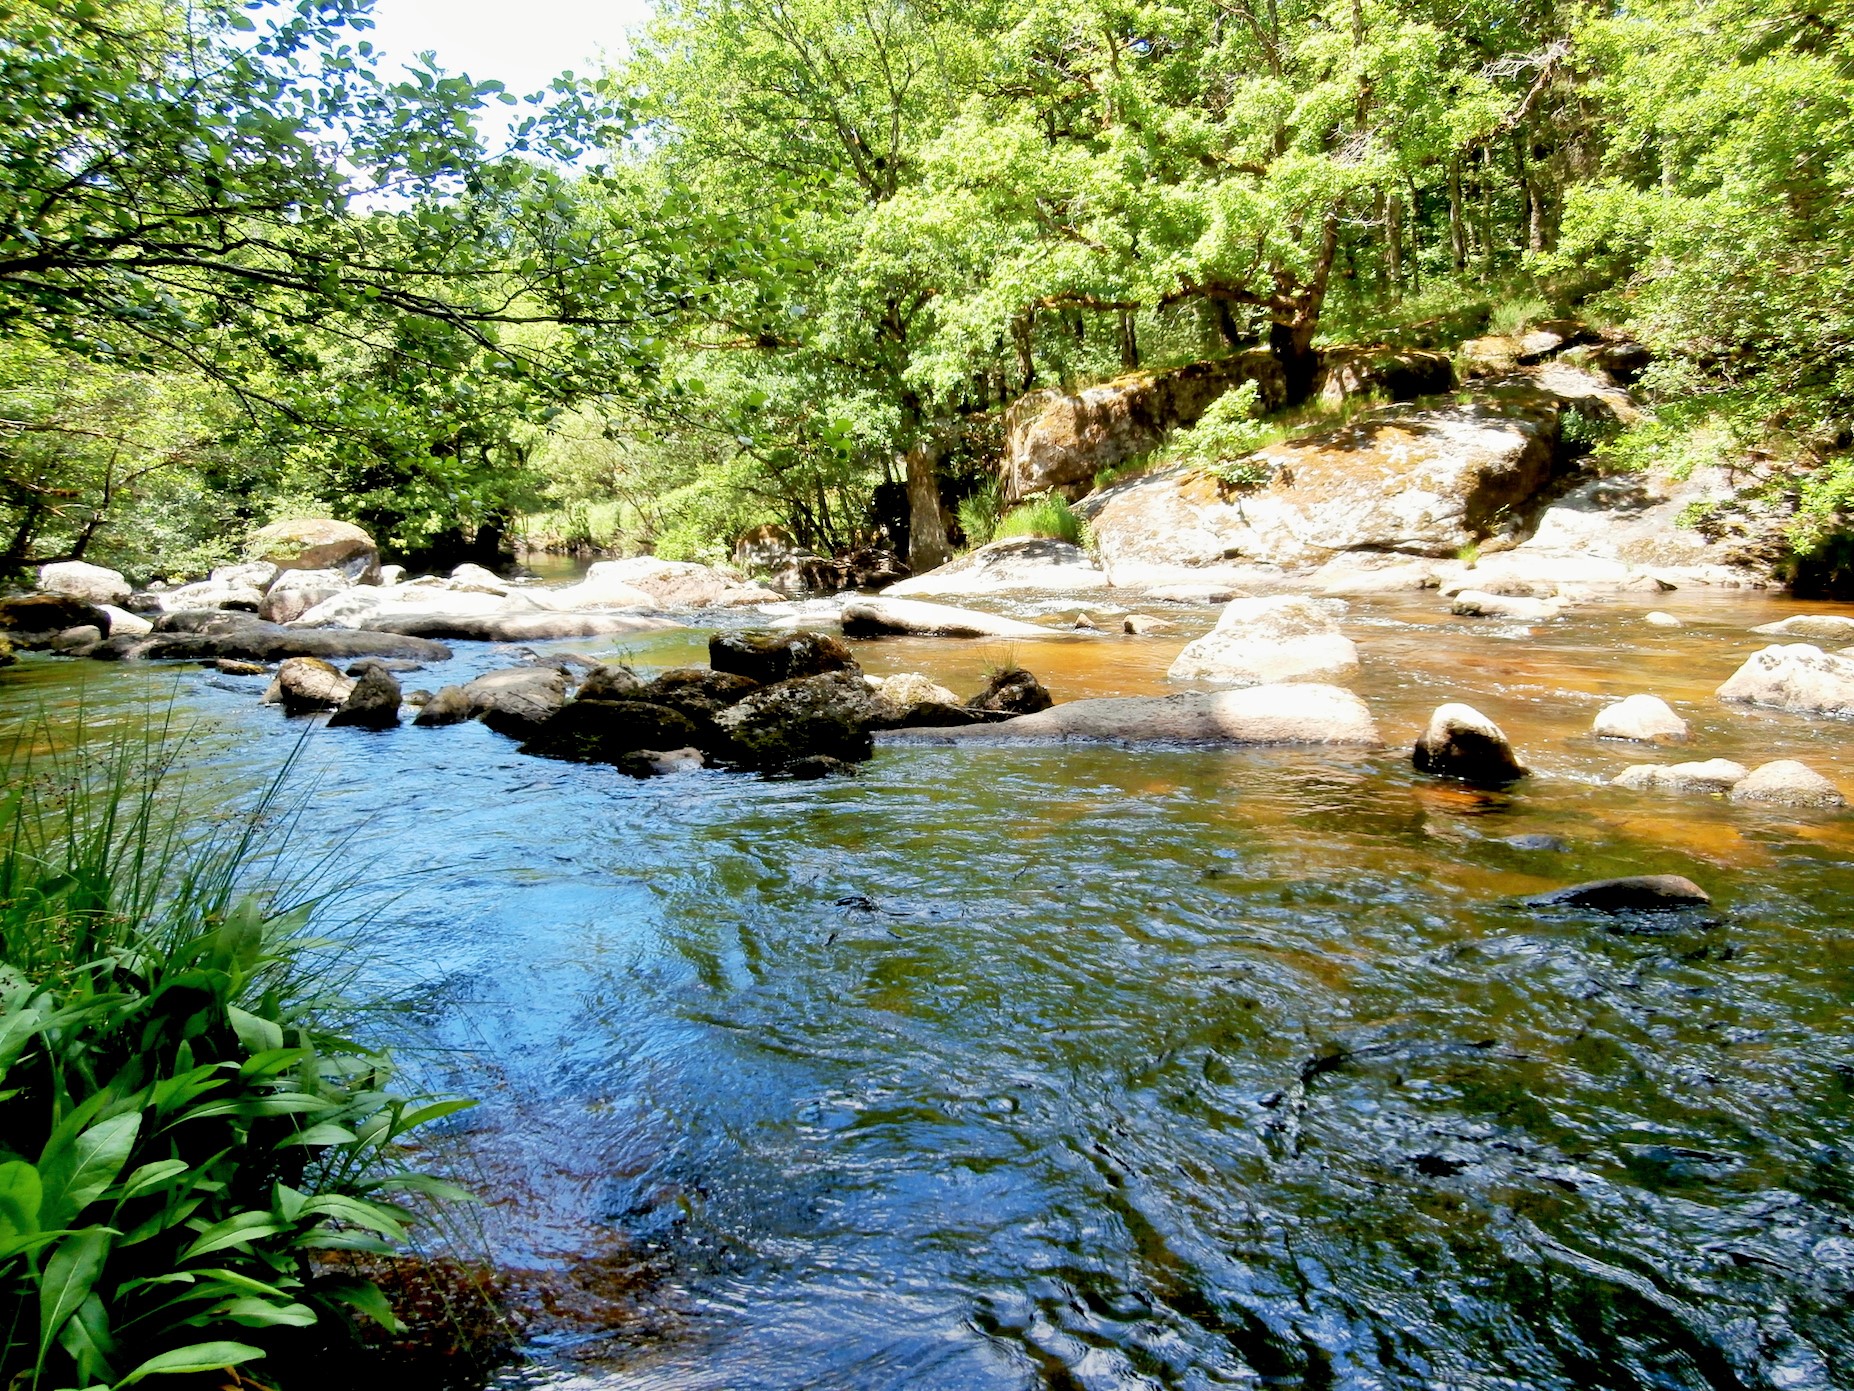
[
  {"x": 1259, "y": 642},
  {"x": 1641, "y": 893},
  {"x": 1796, "y": 677},
  {"x": 374, "y": 701},
  {"x": 1141, "y": 625},
  {"x": 1787, "y": 783},
  {"x": 662, "y": 763},
  {"x": 769, "y": 657},
  {"x": 1460, "y": 742},
  {"x": 1284, "y": 714},
  {"x": 1644, "y": 719},
  {"x": 868, "y": 618},
  {"x": 1657, "y": 619},
  {"x": 1712, "y": 777}
]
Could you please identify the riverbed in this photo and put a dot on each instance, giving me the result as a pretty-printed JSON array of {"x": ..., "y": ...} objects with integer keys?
[{"x": 1082, "y": 1067}]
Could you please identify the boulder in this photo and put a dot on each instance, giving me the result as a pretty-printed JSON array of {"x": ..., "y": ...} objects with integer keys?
[
  {"x": 73, "y": 640},
  {"x": 449, "y": 705},
  {"x": 520, "y": 627},
  {"x": 1003, "y": 567},
  {"x": 252, "y": 640},
  {"x": 1787, "y": 783},
  {"x": 1641, "y": 893},
  {"x": 122, "y": 623},
  {"x": 613, "y": 681},
  {"x": 1260, "y": 642},
  {"x": 1645, "y": 719},
  {"x": 469, "y": 576},
  {"x": 77, "y": 579},
  {"x": 769, "y": 657},
  {"x": 868, "y": 618},
  {"x": 654, "y": 763},
  {"x": 212, "y": 594},
  {"x": 1461, "y": 742},
  {"x": 1142, "y": 625},
  {"x": 1476, "y": 603},
  {"x": 1823, "y": 627},
  {"x": 1011, "y": 690},
  {"x": 392, "y": 574},
  {"x": 1657, "y": 619},
  {"x": 700, "y": 694},
  {"x": 910, "y": 700},
  {"x": 517, "y": 700},
  {"x": 1204, "y": 592},
  {"x": 365, "y": 606},
  {"x": 1057, "y": 440},
  {"x": 33, "y": 621},
  {"x": 303, "y": 684},
  {"x": 1713, "y": 777},
  {"x": 250, "y": 574},
  {"x": 1795, "y": 677},
  {"x": 231, "y": 666},
  {"x": 777, "y": 726},
  {"x": 1401, "y": 374},
  {"x": 1289, "y": 714},
  {"x": 395, "y": 665},
  {"x": 295, "y": 592},
  {"x": 679, "y": 583},
  {"x": 1361, "y": 573},
  {"x": 1492, "y": 356},
  {"x": 606, "y": 731},
  {"x": 318, "y": 543},
  {"x": 374, "y": 701},
  {"x": 1422, "y": 481}
]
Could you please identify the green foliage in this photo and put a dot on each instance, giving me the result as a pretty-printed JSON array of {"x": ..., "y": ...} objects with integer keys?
[
  {"x": 1225, "y": 433},
  {"x": 1510, "y": 316},
  {"x": 1048, "y": 515},
  {"x": 184, "y": 1123},
  {"x": 980, "y": 512}
]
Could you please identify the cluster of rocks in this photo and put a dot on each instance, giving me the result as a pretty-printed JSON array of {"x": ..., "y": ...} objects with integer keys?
[{"x": 784, "y": 704}]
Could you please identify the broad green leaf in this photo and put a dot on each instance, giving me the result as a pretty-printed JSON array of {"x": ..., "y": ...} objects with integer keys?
[
  {"x": 238, "y": 1230},
  {"x": 69, "y": 1273},
  {"x": 19, "y": 1199},
  {"x": 196, "y": 1357},
  {"x": 148, "y": 1177},
  {"x": 254, "y": 1311},
  {"x": 87, "y": 1167},
  {"x": 259, "y": 1035},
  {"x": 363, "y": 1295}
]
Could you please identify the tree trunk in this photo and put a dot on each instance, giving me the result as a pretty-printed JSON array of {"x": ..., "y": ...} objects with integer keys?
[
  {"x": 927, "y": 544},
  {"x": 1021, "y": 338},
  {"x": 1129, "y": 341},
  {"x": 1296, "y": 317},
  {"x": 1393, "y": 243},
  {"x": 1457, "y": 224}
]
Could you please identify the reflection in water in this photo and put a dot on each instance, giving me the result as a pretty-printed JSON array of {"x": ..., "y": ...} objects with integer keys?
[{"x": 1091, "y": 1068}]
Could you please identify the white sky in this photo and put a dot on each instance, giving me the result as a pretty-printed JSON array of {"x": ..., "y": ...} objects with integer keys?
[{"x": 523, "y": 43}]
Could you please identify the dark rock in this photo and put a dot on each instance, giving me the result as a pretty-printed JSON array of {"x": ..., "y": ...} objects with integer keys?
[
  {"x": 767, "y": 658},
  {"x": 449, "y": 706},
  {"x": 517, "y": 701},
  {"x": 1461, "y": 742},
  {"x": 1641, "y": 893},
  {"x": 305, "y": 684},
  {"x": 609, "y": 683},
  {"x": 935, "y": 714},
  {"x": 374, "y": 701},
  {"x": 819, "y": 765},
  {"x": 521, "y": 627},
  {"x": 1012, "y": 691},
  {"x": 37, "y": 619},
  {"x": 392, "y": 664},
  {"x": 697, "y": 692},
  {"x": 604, "y": 731},
  {"x": 230, "y": 666},
  {"x": 658, "y": 763},
  {"x": 249, "y": 639},
  {"x": 776, "y": 726}
]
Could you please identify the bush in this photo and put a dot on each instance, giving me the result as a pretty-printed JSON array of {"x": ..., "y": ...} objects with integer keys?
[
  {"x": 184, "y": 1125},
  {"x": 978, "y": 513},
  {"x": 1048, "y": 515}
]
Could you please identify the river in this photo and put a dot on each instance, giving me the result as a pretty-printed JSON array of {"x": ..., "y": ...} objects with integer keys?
[{"x": 1098, "y": 1068}]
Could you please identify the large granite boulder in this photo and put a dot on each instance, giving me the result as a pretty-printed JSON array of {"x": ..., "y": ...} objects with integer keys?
[
  {"x": 869, "y": 618},
  {"x": 1401, "y": 374},
  {"x": 36, "y": 619},
  {"x": 1644, "y": 719},
  {"x": 1820, "y": 627},
  {"x": 1796, "y": 677},
  {"x": 1288, "y": 714},
  {"x": 778, "y": 726},
  {"x": 518, "y": 627},
  {"x": 608, "y": 731},
  {"x": 769, "y": 657},
  {"x": 232, "y": 594},
  {"x": 295, "y": 592},
  {"x": 303, "y": 684},
  {"x": 1420, "y": 480},
  {"x": 679, "y": 584},
  {"x": 78, "y": 579},
  {"x": 1713, "y": 777},
  {"x": 1787, "y": 783},
  {"x": 517, "y": 700},
  {"x": 246, "y": 638},
  {"x": 318, "y": 543},
  {"x": 1460, "y": 742},
  {"x": 1055, "y": 440},
  {"x": 374, "y": 701},
  {"x": 1258, "y": 642},
  {"x": 1015, "y": 564}
]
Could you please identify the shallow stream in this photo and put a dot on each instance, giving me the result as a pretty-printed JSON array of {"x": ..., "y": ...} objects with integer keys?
[{"x": 1088, "y": 1067}]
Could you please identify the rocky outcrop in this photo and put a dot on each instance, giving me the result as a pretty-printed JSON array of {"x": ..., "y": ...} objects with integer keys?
[
  {"x": 869, "y": 618},
  {"x": 1713, "y": 777},
  {"x": 303, "y": 684},
  {"x": 1054, "y": 440},
  {"x": 1296, "y": 714},
  {"x": 778, "y": 726},
  {"x": 1259, "y": 642},
  {"x": 1401, "y": 374},
  {"x": 1787, "y": 783},
  {"x": 1460, "y": 742},
  {"x": 318, "y": 543},
  {"x": 1641, "y": 893},
  {"x": 1424, "y": 481},
  {"x": 1796, "y": 677},
  {"x": 1015, "y": 564},
  {"x": 769, "y": 657},
  {"x": 37, "y": 619},
  {"x": 374, "y": 701},
  {"x": 77, "y": 579},
  {"x": 1644, "y": 719},
  {"x": 678, "y": 584}
]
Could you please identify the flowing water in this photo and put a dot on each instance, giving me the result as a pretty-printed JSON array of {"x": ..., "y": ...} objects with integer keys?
[{"x": 1089, "y": 1067}]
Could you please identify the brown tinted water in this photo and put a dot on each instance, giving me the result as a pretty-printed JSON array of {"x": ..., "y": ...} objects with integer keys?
[{"x": 1093, "y": 1067}]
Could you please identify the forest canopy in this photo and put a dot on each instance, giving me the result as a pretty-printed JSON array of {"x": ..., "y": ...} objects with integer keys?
[{"x": 790, "y": 262}]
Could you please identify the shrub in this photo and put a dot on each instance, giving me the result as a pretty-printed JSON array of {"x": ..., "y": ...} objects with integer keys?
[
  {"x": 1049, "y": 515},
  {"x": 978, "y": 513},
  {"x": 184, "y": 1125}
]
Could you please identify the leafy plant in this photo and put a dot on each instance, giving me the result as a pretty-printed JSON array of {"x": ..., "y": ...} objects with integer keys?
[
  {"x": 1244, "y": 473},
  {"x": 979, "y": 513},
  {"x": 1049, "y": 515},
  {"x": 185, "y": 1125}
]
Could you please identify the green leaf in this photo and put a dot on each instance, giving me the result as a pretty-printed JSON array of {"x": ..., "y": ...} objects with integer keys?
[
  {"x": 76, "y": 1175},
  {"x": 259, "y": 1035},
  {"x": 253, "y": 1311},
  {"x": 196, "y": 1357},
  {"x": 363, "y": 1295},
  {"x": 151, "y": 1176},
  {"x": 87, "y": 1339},
  {"x": 20, "y": 1192},
  {"x": 238, "y": 1230},
  {"x": 327, "y": 1133},
  {"x": 69, "y": 1274}
]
